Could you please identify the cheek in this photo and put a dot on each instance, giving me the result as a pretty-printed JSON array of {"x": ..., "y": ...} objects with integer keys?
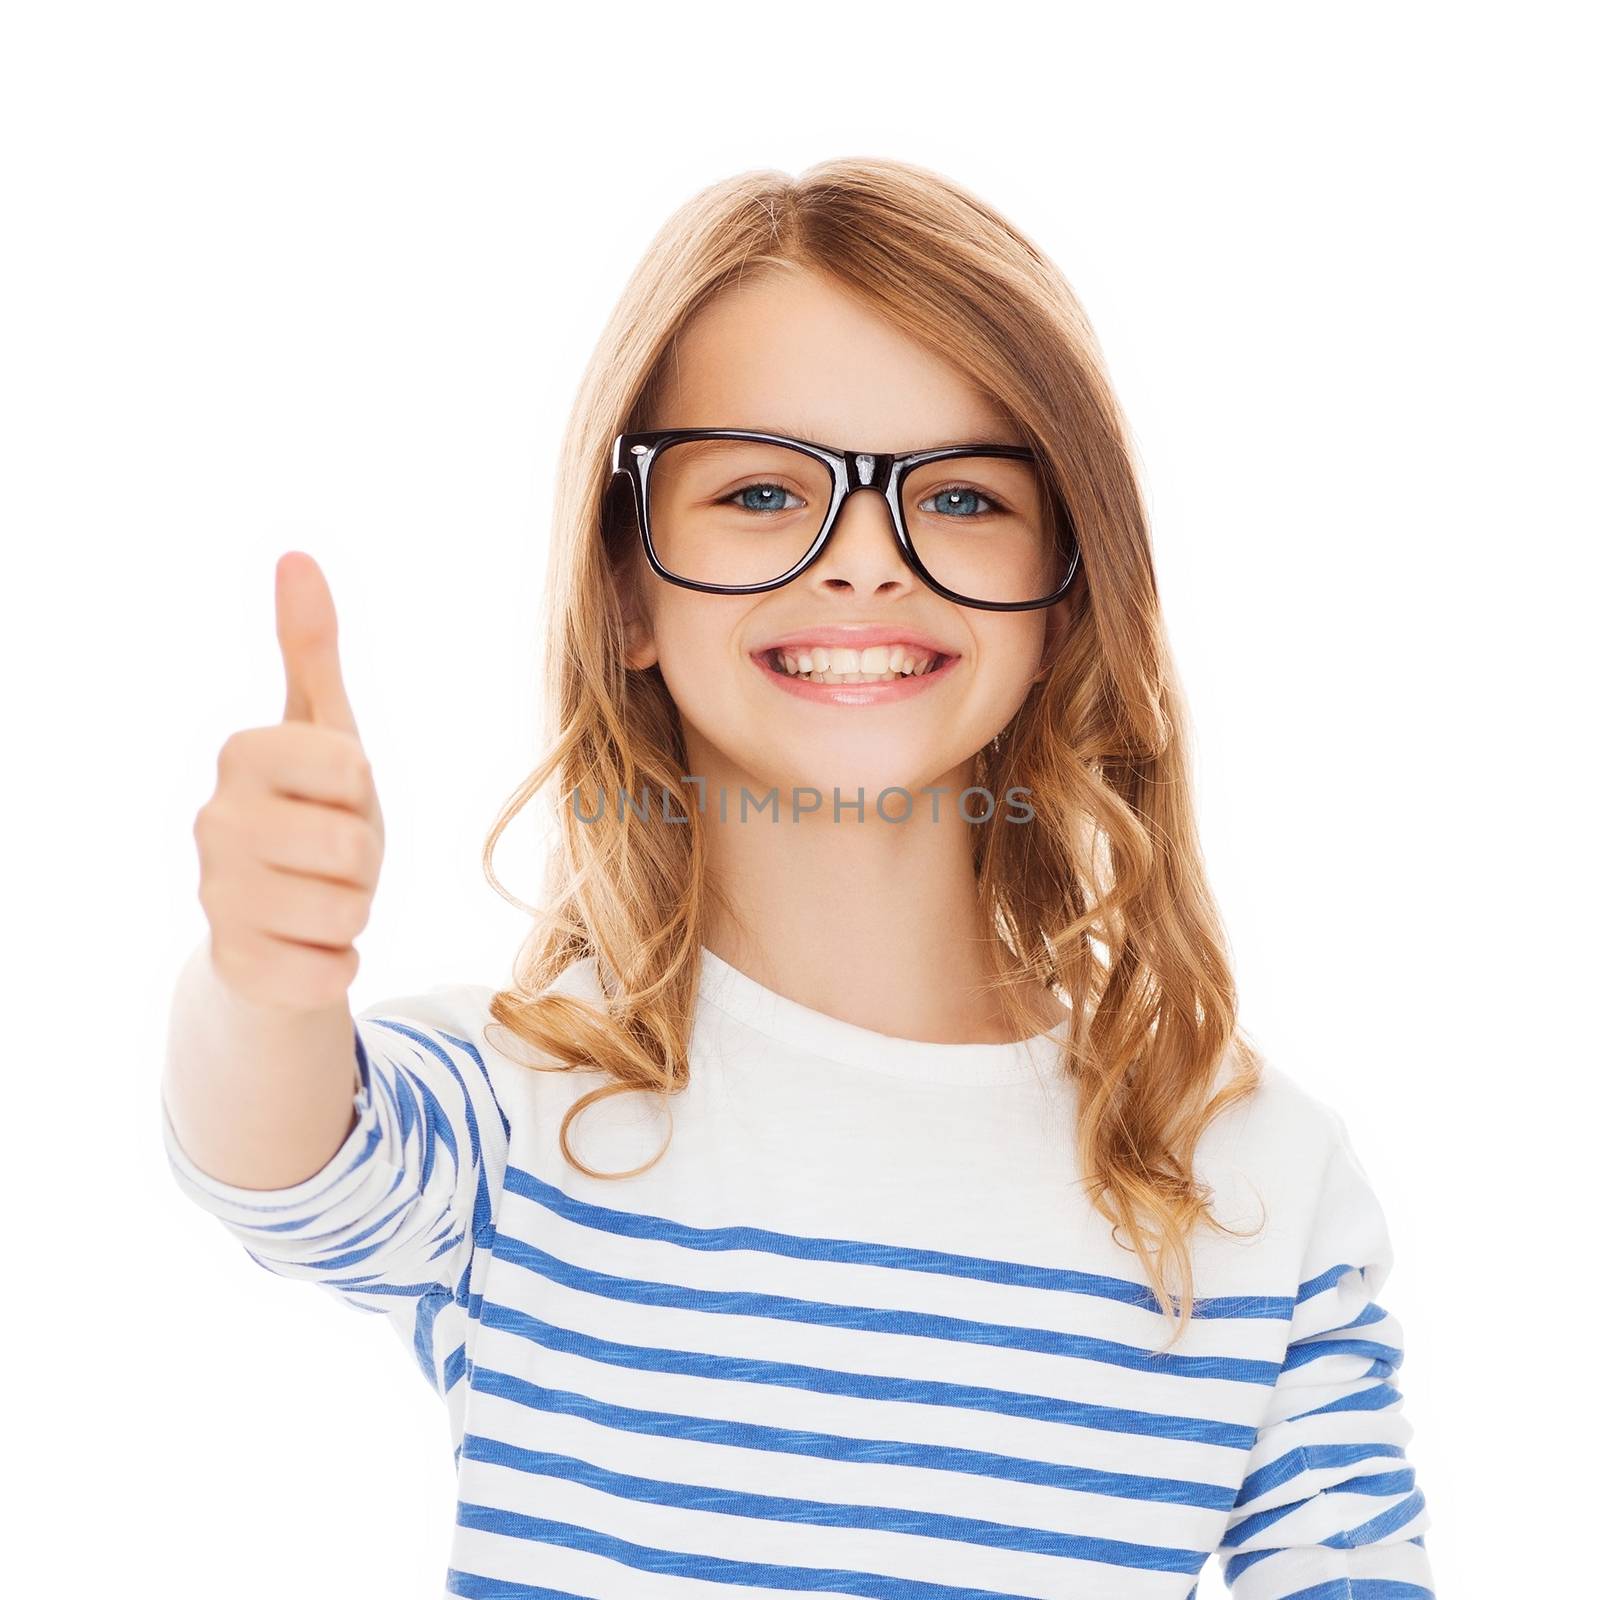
[
  {"x": 1009, "y": 654},
  {"x": 696, "y": 636}
]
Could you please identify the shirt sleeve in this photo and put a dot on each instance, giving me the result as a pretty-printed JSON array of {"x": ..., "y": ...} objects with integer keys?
[
  {"x": 1330, "y": 1508},
  {"x": 395, "y": 1214}
]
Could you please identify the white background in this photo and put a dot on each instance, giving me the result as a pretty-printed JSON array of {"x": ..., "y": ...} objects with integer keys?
[{"x": 324, "y": 276}]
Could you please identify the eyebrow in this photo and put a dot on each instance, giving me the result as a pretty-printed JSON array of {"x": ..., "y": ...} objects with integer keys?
[{"x": 980, "y": 439}]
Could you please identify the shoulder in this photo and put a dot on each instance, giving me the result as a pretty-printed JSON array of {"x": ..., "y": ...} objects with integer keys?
[
  {"x": 448, "y": 1013},
  {"x": 438, "y": 1037},
  {"x": 458, "y": 1009},
  {"x": 1286, "y": 1149},
  {"x": 464, "y": 1008},
  {"x": 454, "y": 1024},
  {"x": 1280, "y": 1116}
]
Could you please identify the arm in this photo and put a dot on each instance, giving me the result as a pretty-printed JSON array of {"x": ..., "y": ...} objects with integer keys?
[
  {"x": 1330, "y": 1508},
  {"x": 394, "y": 1212},
  {"x": 259, "y": 1095}
]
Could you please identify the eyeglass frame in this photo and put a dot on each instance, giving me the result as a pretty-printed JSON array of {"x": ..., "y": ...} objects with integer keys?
[{"x": 633, "y": 455}]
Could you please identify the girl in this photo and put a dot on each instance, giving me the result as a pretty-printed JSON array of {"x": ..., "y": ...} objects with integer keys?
[{"x": 864, "y": 1186}]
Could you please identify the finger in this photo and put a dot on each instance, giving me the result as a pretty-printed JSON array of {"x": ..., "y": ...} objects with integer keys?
[
  {"x": 308, "y": 910},
  {"x": 285, "y": 972},
  {"x": 308, "y": 636},
  {"x": 302, "y": 761},
  {"x": 316, "y": 841}
]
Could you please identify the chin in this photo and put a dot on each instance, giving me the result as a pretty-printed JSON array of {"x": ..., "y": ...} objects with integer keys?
[{"x": 889, "y": 790}]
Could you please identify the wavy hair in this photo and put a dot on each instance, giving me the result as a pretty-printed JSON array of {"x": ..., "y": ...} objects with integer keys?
[{"x": 1102, "y": 898}]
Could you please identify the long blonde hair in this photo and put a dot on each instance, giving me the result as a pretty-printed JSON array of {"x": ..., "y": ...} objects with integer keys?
[{"x": 1102, "y": 898}]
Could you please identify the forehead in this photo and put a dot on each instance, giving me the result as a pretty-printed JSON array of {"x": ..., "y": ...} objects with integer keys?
[{"x": 791, "y": 352}]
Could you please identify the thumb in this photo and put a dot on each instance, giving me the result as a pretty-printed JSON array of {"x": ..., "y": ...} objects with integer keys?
[{"x": 308, "y": 636}]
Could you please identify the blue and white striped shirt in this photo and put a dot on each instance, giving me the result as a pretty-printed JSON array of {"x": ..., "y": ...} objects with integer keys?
[{"x": 858, "y": 1331}]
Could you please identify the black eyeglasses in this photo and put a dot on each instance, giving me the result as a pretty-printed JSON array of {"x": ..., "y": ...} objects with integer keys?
[{"x": 693, "y": 488}]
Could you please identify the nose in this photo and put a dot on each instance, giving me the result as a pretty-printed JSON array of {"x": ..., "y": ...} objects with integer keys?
[{"x": 862, "y": 552}]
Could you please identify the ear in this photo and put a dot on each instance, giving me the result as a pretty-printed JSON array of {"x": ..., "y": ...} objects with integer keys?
[{"x": 639, "y": 650}]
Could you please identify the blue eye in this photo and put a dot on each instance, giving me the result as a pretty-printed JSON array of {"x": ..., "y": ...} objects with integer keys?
[
  {"x": 769, "y": 493},
  {"x": 956, "y": 492}
]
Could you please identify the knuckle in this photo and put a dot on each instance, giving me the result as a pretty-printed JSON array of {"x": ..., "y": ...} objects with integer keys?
[
  {"x": 241, "y": 756},
  {"x": 368, "y": 859},
  {"x": 319, "y": 914},
  {"x": 352, "y": 917},
  {"x": 342, "y": 845},
  {"x": 352, "y": 910},
  {"x": 216, "y": 829},
  {"x": 210, "y": 834},
  {"x": 334, "y": 972},
  {"x": 358, "y": 768},
  {"x": 237, "y": 746}
]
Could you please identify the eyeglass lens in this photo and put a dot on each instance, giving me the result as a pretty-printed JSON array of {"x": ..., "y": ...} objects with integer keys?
[{"x": 737, "y": 511}]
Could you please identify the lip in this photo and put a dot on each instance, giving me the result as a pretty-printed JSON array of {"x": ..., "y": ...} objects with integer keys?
[
  {"x": 857, "y": 636},
  {"x": 856, "y": 694}
]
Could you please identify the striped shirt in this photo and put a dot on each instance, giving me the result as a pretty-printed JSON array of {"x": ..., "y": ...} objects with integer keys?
[{"x": 859, "y": 1330}]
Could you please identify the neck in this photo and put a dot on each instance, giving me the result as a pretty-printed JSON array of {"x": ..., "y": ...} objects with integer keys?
[{"x": 876, "y": 923}]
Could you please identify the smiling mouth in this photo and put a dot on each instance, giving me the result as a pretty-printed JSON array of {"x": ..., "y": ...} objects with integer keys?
[{"x": 841, "y": 664}]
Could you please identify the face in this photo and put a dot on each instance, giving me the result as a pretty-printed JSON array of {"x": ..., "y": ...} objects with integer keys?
[{"x": 790, "y": 353}]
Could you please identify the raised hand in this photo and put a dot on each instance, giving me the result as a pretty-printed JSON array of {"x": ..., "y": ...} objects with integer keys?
[{"x": 291, "y": 841}]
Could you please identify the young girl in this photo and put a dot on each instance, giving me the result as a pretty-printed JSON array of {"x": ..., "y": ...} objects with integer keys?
[{"x": 864, "y": 1186}]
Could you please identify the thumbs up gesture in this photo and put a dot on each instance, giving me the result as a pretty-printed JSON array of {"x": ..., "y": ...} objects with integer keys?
[{"x": 291, "y": 841}]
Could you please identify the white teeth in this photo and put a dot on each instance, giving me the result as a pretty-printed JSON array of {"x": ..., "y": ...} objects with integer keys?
[{"x": 877, "y": 663}]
